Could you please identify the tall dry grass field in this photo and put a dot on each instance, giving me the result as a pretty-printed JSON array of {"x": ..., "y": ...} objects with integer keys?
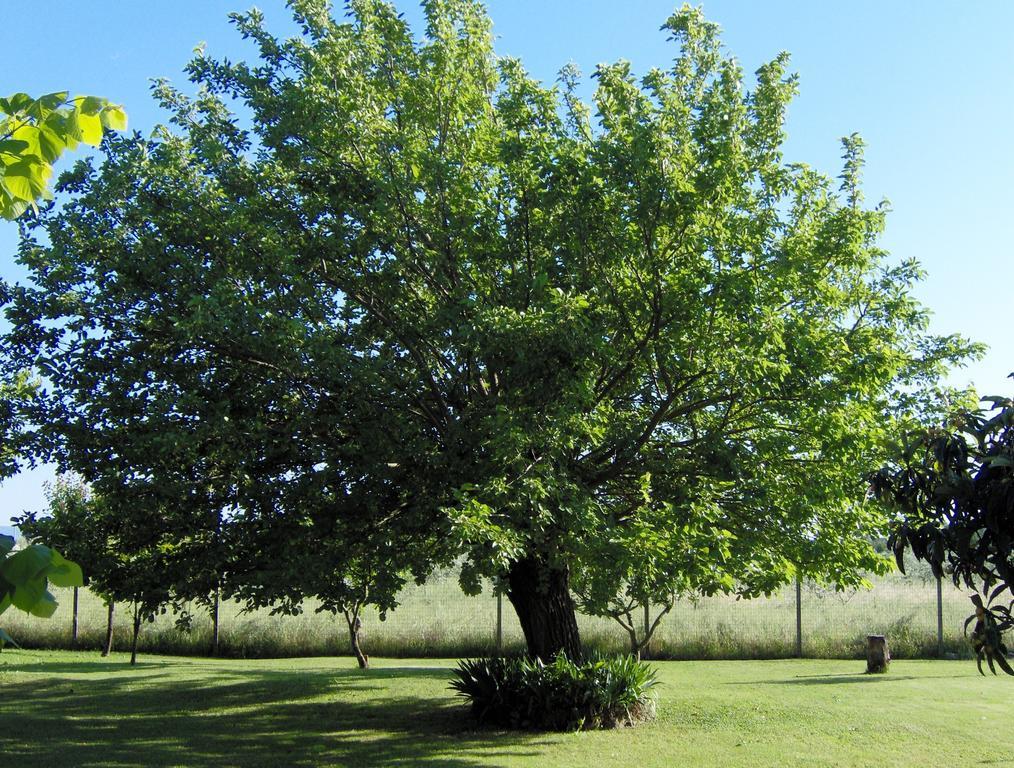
[{"x": 437, "y": 620}]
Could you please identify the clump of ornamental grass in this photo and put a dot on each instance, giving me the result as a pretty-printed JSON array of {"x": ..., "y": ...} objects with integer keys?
[{"x": 519, "y": 693}]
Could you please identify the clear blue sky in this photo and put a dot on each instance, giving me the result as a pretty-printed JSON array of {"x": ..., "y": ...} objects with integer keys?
[{"x": 929, "y": 85}]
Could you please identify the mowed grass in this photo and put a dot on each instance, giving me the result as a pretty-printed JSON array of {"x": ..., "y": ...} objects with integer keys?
[
  {"x": 436, "y": 620},
  {"x": 76, "y": 709}
]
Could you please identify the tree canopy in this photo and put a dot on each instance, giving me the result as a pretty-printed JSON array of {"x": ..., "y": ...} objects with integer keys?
[
  {"x": 394, "y": 285},
  {"x": 14, "y": 392}
]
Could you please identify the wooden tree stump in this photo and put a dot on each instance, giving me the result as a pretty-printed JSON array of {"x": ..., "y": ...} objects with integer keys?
[{"x": 877, "y": 655}]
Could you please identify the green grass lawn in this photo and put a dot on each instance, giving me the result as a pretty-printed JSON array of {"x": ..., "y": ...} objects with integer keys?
[{"x": 63, "y": 708}]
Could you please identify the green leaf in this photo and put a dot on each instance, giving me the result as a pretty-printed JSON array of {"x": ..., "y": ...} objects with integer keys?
[
  {"x": 64, "y": 573},
  {"x": 88, "y": 127},
  {"x": 51, "y": 143},
  {"x": 45, "y": 606},
  {"x": 91, "y": 105},
  {"x": 6, "y": 544},
  {"x": 11, "y": 209},
  {"x": 17, "y": 183},
  {"x": 23, "y": 179},
  {"x": 52, "y": 101},
  {"x": 28, "y": 594},
  {"x": 43, "y": 106},
  {"x": 114, "y": 118},
  {"x": 15, "y": 147},
  {"x": 29, "y": 134},
  {"x": 17, "y": 103},
  {"x": 27, "y": 564}
]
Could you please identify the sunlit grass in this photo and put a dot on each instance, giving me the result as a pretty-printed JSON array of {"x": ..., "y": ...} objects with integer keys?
[{"x": 75, "y": 709}]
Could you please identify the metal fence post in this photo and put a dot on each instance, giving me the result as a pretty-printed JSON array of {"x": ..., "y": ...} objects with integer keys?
[
  {"x": 499, "y": 624},
  {"x": 940, "y": 617},
  {"x": 799, "y": 618},
  {"x": 73, "y": 621}
]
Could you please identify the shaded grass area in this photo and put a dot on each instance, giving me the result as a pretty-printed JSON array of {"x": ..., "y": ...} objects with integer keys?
[
  {"x": 63, "y": 708},
  {"x": 437, "y": 620}
]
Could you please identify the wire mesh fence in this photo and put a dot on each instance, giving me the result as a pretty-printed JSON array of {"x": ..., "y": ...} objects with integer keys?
[{"x": 919, "y": 618}]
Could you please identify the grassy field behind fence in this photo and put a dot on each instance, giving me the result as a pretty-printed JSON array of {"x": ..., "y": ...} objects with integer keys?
[{"x": 437, "y": 620}]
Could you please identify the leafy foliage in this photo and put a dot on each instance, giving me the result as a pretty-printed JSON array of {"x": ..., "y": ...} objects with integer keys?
[
  {"x": 987, "y": 635},
  {"x": 132, "y": 551},
  {"x": 72, "y": 523},
  {"x": 14, "y": 437},
  {"x": 560, "y": 696},
  {"x": 422, "y": 298},
  {"x": 25, "y": 575},
  {"x": 33, "y": 135},
  {"x": 344, "y": 571},
  {"x": 952, "y": 493}
]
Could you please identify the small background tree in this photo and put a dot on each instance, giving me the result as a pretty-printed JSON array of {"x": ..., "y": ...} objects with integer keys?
[{"x": 71, "y": 524}]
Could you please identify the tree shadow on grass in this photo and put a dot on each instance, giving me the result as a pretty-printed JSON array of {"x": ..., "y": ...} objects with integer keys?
[
  {"x": 839, "y": 678},
  {"x": 15, "y": 664},
  {"x": 227, "y": 716}
]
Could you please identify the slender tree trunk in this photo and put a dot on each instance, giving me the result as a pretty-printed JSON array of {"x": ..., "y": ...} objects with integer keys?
[
  {"x": 215, "y": 612},
  {"x": 635, "y": 646},
  {"x": 73, "y": 619},
  {"x": 541, "y": 597},
  {"x": 137, "y": 630},
  {"x": 641, "y": 648},
  {"x": 645, "y": 650},
  {"x": 355, "y": 627},
  {"x": 214, "y": 619},
  {"x": 108, "y": 647}
]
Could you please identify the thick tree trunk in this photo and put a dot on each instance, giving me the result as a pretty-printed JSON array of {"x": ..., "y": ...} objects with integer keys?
[
  {"x": 541, "y": 597},
  {"x": 73, "y": 619},
  {"x": 108, "y": 647},
  {"x": 137, "y": 630},
  {"x": 355, "y": 627}
]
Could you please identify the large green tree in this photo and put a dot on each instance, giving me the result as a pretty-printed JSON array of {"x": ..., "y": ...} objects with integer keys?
[{"x": 543, "y": 330}]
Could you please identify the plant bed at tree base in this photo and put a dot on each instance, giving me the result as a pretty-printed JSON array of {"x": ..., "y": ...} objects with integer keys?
[{"x": 561, "y": 696}]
